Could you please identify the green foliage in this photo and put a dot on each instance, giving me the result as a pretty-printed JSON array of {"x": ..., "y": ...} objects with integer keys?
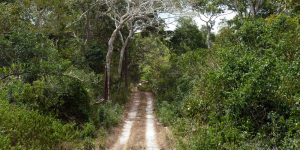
[
  {"x": 187, "y": 37},
  {"x": 121, "y": 96},
  {"x": 22, "y": 128},
  {"x": 76, "y": 102},
  {"x": 89, "y": 130},
  {"x": 110, "y": 114},
  {"x": 38, "y": 96},
  {"x": 49, "y": 71},
  {"x": 88, "y": 144},
  {"x": 168, "y": 113},
  {"x": 250, "y": 102},
  {"x": 95, "y": 58}
]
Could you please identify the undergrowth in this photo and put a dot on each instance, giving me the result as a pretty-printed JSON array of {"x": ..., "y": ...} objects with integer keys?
[{"x": 245, "y": 95}]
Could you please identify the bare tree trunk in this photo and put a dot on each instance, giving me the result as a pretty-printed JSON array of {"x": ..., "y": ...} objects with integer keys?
[
  {"x": 123, "y": 50},
  {"x": 237, "y": 7},
  {"x": 108, "y": 57},
  {"x": 126, "y": 68},
  {"x": 255, "y": 6},
  {"x": 87, "y": 26},
  {"x": 208, "y": 34}
]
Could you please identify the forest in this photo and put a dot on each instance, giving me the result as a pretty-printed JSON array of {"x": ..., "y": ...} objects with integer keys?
[{"x": 67, "y": 68}]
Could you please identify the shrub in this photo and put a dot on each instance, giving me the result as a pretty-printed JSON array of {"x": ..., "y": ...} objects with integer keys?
[
  {"x": 168, "y": 113},
  {"x": 250, "y": 102},
  {"x": 121, "y": 95},
  {"x": 89, "y": 130},
  {"x": 75, "y": 102},
  {"x": 28, "y": 129},
  {"x": 88, "y": 144},
  {"x": 110, "y": 114}
]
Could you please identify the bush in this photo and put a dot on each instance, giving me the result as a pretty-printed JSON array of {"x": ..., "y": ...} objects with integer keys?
[
  {"x": 110, "y": 114},
  {"x": 22, "y": 128},
  {"x": 168, "y": 113},
  {"x": 121, "y": 95},
  {"x": 75, "y": 102},
  {"x": 250, "y": 102},
  {"x": 88, "y": 144},
  {"x": 89, "y": 130}
]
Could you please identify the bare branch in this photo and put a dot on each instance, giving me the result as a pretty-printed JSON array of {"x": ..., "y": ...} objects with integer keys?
[{"x": 80, "y": 16}]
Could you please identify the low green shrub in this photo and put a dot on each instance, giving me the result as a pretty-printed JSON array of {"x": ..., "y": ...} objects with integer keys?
[
  {"x": 75, "y": 102},
  {"x": 27, "y": 129},
  {"x": 168, "y": 113},
  {"x": 121, "y": 95},
  {"x": 89, "y": 130},
  {"x": 110, "y": 114},
  {"x": 89, "y": 144}
]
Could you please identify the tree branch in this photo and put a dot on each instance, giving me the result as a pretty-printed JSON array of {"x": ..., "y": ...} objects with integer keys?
[
  {"x": 68, "y": 75},
  {"x": 80, "y": 16},
  {"x": 13, "y": 74}
]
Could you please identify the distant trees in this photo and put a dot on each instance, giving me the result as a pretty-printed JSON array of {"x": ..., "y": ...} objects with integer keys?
[
  {"x": 186, "y": 37},
  {"x": 208, "y": 11}
]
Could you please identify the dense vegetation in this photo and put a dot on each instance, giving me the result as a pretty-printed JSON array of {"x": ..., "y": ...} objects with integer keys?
[
  {"x": 237, "y": 89},
  {"x": 51, "y": 79},
  {"x": 243, "y": 93}
]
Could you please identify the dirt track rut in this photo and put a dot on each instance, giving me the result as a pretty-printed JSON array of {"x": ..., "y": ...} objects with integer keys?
[{"x": 140, "y": 129}]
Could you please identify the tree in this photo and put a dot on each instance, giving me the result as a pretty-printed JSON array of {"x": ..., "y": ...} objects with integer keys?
[
  {"x": 245, "y": 7},
  {"x": 284, "y": 5},
  {"x": 208, "y": 11},
  {"x": 122, "y": 15},
  {"x": 186, "y": 37}
]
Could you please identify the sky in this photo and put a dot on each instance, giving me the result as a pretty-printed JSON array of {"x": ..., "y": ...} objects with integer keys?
[{"x": 172, "y": 21}]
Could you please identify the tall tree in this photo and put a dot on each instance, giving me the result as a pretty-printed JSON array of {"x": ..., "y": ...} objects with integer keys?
[
  {"x": 208, "y": 11},
  {"x": 133, "y": 9}
]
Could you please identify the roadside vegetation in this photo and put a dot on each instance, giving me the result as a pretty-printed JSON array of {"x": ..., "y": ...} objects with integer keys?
[
  {"x": 243, "y": 93},
  {"x": 51, "y": 83},
  {"x": 67, "y": 68}
]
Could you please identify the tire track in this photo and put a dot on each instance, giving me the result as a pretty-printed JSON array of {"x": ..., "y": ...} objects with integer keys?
[
  {"x": 128, "y": 124},
  {"x": 150, "y": 130},
  {"x": 139, "y": 129}
]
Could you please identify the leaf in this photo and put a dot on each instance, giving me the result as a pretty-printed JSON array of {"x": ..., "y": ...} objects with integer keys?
[
  {"x": 13, "y": 66},
  {"x": 4, "y": 70}
]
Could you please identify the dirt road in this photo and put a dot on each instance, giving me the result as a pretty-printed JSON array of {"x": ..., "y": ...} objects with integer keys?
[{"x": 140, "y": 129}]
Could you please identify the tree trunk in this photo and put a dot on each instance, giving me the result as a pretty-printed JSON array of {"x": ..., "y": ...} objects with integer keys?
[
  {"x": 108, "y": 57},
  {"x": 208, "y": 35},
  {"x": 253, "y": 11},
  {"x": 255, "y": 6},
  {"x": 126, "y": 68},
  {"x": 87, "y": 27},
  {"x": 122, "y": 52}
]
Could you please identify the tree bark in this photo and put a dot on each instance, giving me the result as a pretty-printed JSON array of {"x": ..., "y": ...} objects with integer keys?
[
  {"x": 255, "y": 6},
  {"x": 123, "y": 50},
  {"x": 126, "y": 68},
  {"x": 208, "y": 34},
  {"x": 87, "y": 26},
  {"x": 108, "y": 57}
]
